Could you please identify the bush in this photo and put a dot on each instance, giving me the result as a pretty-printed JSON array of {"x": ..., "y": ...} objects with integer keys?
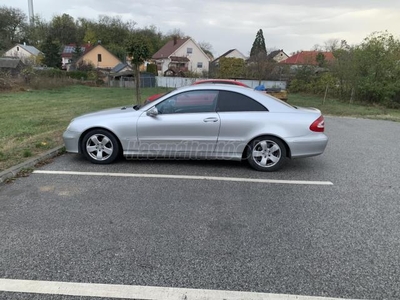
[
  {"x": 80, "y": 75},
  {"x": 152, "y": 68},
  {"x": 43, "y": 83}
]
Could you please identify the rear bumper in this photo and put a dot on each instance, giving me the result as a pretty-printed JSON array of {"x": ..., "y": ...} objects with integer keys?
[
  {"x": 71, "y": 141},
  {"x": 311, "y": 145}
]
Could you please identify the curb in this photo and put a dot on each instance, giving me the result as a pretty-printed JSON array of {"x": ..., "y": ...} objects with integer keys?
[{"x": 13, "y": 171}]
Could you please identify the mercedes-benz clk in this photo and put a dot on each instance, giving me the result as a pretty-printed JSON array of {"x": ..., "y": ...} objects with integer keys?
[{"x": 207, "y": 121}]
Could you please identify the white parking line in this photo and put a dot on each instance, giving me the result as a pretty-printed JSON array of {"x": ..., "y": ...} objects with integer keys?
[
  {"x": 138, "y": 175},
  {"x": 137, "y": 292}
]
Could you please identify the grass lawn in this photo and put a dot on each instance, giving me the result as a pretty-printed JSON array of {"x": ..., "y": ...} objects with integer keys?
[
  {"x": 33, "y": 122},
  {"x": 337, "y": 108}
]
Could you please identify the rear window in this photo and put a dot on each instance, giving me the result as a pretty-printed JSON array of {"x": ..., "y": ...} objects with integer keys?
[
  {"x": 231, "y": 101},
  {"x": 278, "y": 100}
]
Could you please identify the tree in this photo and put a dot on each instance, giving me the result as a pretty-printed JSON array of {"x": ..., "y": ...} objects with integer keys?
[
  {"x": 35, "y": 35},
  {"x": 77, "y": 53},
  {"x": 258, "y": 45},
  {"x": 12, "y": 25},
  {"x": 377, "y": 62},
  {"x": 52, "y": 55},
  {"x": 138, "y": 50},
  {"x": 64, "y": 29},
  {"x": 258, "y": 62},
  {"x": 231, "y": 67},
  {"x": 321, "y": 61},
  {"x": 207, "y": 48}
]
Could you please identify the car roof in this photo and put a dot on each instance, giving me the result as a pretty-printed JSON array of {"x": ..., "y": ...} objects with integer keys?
[{"x": 268, "y": 101}]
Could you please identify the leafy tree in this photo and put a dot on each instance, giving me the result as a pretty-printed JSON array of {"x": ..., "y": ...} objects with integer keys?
[
  {"x": 77, "y": 53},
  {"x": 258, "y": 45},
  {"x": 138, "y": 50},
  {"x": 231, "y": 67},
  {"x": 112, "y": 30},
  {"x": 35, "y": 35},
  {"x": 52, "y": 55},
  {"x": 64, "y": 29},
  {"x": 207, "y": 48},
  {"x": 153, "y": 36},
  {"x": 378, "y": 69},
  {"x": 321, "y": 61},
  {"x": 12, "y": 24},
  {"x": 152, "y": 68},
  {"x": 118, "y": 50}
]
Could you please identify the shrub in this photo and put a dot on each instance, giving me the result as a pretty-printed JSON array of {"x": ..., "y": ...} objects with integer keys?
[
  {"x": 152, "y": 68},
  {"x": 80, "y": 75}
]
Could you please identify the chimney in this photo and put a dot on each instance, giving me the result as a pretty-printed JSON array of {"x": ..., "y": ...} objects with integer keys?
[{"x": 175, "y": 40}]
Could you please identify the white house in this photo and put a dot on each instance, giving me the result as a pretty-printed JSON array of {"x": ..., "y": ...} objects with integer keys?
[
  {"x": 277, "y": 55},
  {"x": 235, "y": 53},
  {"x": 181, "y": 55},
  {"x": 27, "y": 54}
]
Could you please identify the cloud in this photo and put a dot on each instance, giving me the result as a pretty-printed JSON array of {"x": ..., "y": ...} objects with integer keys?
[{"x": 287, "y": 24}]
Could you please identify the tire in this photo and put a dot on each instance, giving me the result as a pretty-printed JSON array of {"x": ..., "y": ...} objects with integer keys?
[
  {"x": 266, "y": 153},
  {"x": 100, "y": 146}
]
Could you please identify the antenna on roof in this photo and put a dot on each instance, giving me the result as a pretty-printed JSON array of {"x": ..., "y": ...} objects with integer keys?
[{"x": 31, "y": 13}]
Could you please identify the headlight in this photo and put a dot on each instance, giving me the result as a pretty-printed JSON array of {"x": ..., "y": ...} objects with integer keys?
[{"x": 70, "y": 123}]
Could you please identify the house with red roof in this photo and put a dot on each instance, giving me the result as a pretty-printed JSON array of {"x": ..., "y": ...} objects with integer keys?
[
  {"x": 68, "y": 52},
  {"x": 307, "y": 58},
  {"x": 179, "y": 56}
]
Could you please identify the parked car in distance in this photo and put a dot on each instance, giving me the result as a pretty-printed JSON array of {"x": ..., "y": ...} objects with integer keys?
[
  {"x": 205, "y": 121},
  {"x": 221, "y": 81}
]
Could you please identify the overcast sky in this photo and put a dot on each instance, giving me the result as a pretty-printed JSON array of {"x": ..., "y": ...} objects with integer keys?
[{"x": 290, "y": 25}]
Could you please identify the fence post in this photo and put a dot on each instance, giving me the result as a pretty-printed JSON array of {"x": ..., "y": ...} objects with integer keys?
[
  {"x": 326, "y": 93},
  {"x": 352, "y": 95}
]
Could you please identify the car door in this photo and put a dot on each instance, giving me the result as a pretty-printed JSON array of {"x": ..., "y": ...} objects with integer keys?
[
  {"x": 186, "y": 125},
  {"x": 240, "y": 117}
]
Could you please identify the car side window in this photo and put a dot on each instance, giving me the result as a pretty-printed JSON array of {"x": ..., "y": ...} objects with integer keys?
[
  {"x": 231, "y": 101},
  {"x": 189, "y": 102}
]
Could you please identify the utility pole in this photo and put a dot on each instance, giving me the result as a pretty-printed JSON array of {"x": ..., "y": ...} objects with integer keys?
[{"x": 31, "y": 13}]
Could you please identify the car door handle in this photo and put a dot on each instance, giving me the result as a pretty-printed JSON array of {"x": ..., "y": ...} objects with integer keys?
[{"x": 211, "y": 119}]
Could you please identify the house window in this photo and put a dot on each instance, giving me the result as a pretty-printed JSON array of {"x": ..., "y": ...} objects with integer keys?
[
  {"x": 189, "y": 50},
  {"x": 17, "y": 48},
  {"x": 99, "y": 57},
  {"x": 200, "y": 65}
]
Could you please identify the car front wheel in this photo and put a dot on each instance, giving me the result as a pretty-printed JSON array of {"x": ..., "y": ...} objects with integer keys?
[
  {"x": 266, "y": 154},
  {"x": 100, "y": 146}
]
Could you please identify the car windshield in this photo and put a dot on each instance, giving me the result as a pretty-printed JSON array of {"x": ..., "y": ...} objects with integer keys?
[{"x": 139, "y": 106}]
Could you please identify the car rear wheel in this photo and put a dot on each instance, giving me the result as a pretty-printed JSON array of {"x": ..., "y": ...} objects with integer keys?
[
  {"x": 100, "y": 146},
  {"x": 266, "y": 154}
]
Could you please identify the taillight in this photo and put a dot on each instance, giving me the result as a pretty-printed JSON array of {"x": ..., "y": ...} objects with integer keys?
[{"x": 318, "y": 125}]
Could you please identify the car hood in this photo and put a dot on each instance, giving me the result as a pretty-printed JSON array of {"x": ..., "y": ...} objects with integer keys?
[{"x": 111, "y": 112}]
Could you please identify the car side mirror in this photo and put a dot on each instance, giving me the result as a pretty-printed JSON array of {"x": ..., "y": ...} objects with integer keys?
[{"x": 152, "y": 112}]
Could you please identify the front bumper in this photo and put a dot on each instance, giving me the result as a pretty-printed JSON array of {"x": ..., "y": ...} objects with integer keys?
[{"x": 71, "y": 141}]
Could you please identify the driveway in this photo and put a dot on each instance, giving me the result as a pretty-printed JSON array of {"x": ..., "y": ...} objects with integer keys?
[{"x": 326, "y": 226}]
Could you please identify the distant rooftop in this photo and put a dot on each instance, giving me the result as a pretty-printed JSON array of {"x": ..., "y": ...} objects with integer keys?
[{"x": 31, "y": 49}]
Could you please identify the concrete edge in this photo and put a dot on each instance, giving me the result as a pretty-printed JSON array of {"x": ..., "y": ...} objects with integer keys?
[{"x": 13, "y": 171}]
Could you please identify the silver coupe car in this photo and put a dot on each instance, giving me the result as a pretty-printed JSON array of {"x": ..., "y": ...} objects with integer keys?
[{"x": 208, "y": 121}]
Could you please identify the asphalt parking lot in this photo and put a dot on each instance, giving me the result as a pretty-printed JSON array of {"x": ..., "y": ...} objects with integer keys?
[{"x": 340, "y": 240}]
